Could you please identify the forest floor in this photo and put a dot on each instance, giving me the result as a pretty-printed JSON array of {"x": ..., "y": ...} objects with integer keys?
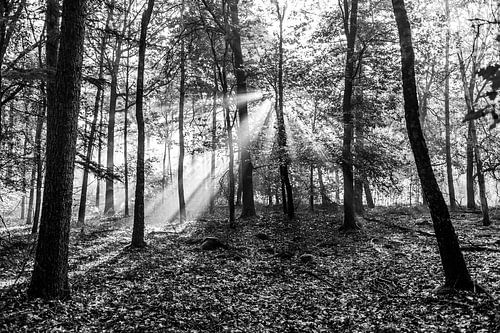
[{"x": 275, "y": 276}]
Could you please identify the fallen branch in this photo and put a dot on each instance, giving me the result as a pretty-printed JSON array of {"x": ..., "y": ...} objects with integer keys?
[
  {"x": 399, "y": 227},
  {"x": 479, "y": 248},
  {"x": 318, "y": 277}
]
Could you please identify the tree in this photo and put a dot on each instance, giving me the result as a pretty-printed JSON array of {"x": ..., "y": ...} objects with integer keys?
[
  {"x": 109, "y": 207},
  {"x": 248, "y": 208},
  {"x": 289, "y": 208},
  {"x": 138, "y": 229},
  {"x": 182, "y": 94},
  {"x": 350, "y": 29},
  {"x": 455, "y": 270},
  {"x": 93, "y": 126},
  {"x": 50, "y": 273},
  {"x": 449, "y": 169},
  {"x": 469, "y": 93}
]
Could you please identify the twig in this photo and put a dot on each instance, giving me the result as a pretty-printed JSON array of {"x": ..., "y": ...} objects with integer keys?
[{"x": 318, "y": 277}]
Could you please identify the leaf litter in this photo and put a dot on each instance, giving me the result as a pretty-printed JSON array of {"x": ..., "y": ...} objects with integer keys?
[{"x": 273, "y": 276}]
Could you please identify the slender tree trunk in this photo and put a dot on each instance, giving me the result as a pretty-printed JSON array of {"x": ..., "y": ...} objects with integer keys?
[
  {"x": 125, "y": 130},
  {"x": 471, "y": 203},
  {"x": 214, "y": 145},
  {"x": 455, "y": 269},
  {"x": 248, "y": 208},
  {"x": 368, "y": 194},
  {"x": 51, "y": 54},
  {"x": 311, "y": 187},
  {"x": 182, "y": 93},
  {"x": 449, "y": 168},
  {"x": 29, "y": 217},
  {"x": 50, "y": 272},
  {"x": 239, "y": 188},
  {"x": 230, "y": 143},
  {"x": 109, "y": 203},
  {"x": 99, "y": 154},
  {"x": 325, "y": 201},
  {"x": 93, "y": 128},
  {"x": 351, "y": 24},
  {"x": 480, "y": 177},
  {"x": 138, "y": 229},
  {"x": 282, "y": 144}
]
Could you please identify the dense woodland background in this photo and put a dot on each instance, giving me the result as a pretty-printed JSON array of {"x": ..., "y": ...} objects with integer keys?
[{"x": 292, "y": 137}]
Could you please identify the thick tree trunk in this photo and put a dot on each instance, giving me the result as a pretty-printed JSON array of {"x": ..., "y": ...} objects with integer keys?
[
  {"x": 248, "y": 208},
  {"x": 449, "y": 168},
  {"x": 455, "y": 269},
  {"x": 138, "y": 229},
  {"x": 351, "y": 25},
  {"x": 50, "y": 272},
  {"x": 471, "y": 203}
]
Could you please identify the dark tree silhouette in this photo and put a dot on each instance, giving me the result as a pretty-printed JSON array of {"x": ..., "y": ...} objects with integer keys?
[
  {"x": 455, "y": 270},
  {"x": 50, "y": 272},
  {"x": 138, "y": 230}
]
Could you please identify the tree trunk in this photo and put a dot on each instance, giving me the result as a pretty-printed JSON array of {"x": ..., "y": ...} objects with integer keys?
[
  {"x": 50, "y": 272},
  {"x": 125, "y": 130},
  {"x": 93, "y": 128},
  {"x": 322, "y": 191},
  {"x": 248, "y": 208},
  {"x": 471, "y": 203},
  {"x": 51, "y": 51},
  {"x": 229, "y": 127},
  {"x": 282, "y": 144},
  {"x": 182, "y": 93},
  {"x": 350, "y": 25},
  {"x": 99, "y": 155},
  {"x": 469, "y": 92},
  {"x": 480, "y": 177},
  {"x": 214, "y": 146},
  {"x": 138, "y": 229},
  {"x": 109, "y": 203},
  {"x": 449, "y": 169},
  {"x": 455, "y": 269},
  {"x": 368, "y": 194},
  {"x": 29, "y": 216},
  {"x": 311, "y": 187}
]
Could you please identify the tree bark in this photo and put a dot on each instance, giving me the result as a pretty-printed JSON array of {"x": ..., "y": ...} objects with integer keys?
[
  {"x": 282, "y": 140},
  {"x": 109, "y": 203},
  {"x": 138, "y": 229},
  {"x": 471, "y": 202},
  {"x": 368, "y": 194},
  {"x": 449, "y": 168},
  {"x": 93, "y": 129},
  {"x": 50, "y": 272},
  {"x": 182, "y": 93},
  {"x": 350, "y": 25},
  {"x": 125, "y": 131},
  {"x": 248, "y": 209},
  {"x": 469, "y": 92},
  {"x": 455, "y": 270}
]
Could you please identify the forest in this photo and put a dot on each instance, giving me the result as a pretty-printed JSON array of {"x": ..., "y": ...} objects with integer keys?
[{"x": 249, "y": 165}]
